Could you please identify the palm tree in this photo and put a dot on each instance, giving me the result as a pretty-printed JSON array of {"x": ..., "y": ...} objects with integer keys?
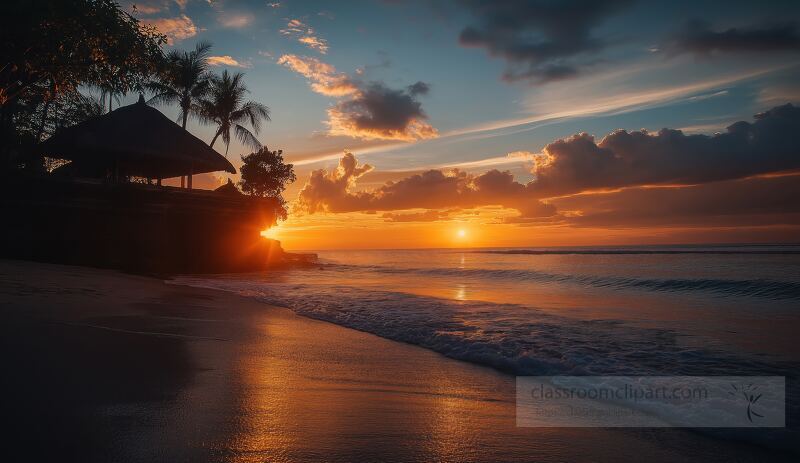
[
  {"x": 184, "y": 81},
  {"x": 227, "y": 108},
  {"x": 107, "y": 91}
]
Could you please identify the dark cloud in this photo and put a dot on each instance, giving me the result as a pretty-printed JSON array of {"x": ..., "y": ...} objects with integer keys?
[
  {"x": 331, "y": 191},
  {"x": 753, "y": 201},
  {"x": 335, "y": 191},
  {"x": 624, "y": 159},
  {"x": 541, "y": 40},
  {"x": 370, "y": 111},
  {"x": 699, "y": 38},
  {"x": 749, "y": 174},
  {"x": 381, "y": 112},
  {"x": 419, "y": 88}
]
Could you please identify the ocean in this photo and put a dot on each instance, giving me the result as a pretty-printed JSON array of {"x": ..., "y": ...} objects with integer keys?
[
  {"x": 648, "y": 310},
  {"x": 724, "y": 310}
]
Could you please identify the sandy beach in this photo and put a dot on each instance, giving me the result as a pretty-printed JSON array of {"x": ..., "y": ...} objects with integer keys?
[{"x": 105, "y": 366}]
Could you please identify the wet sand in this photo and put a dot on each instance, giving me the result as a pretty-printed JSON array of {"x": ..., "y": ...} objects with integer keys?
[{"x": 103, "y": 366}]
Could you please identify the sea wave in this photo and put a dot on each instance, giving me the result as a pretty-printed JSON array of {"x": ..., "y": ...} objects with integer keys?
[
  {"x": 512, "y": 338},
  {"x": 760, "y": 288},
  {"x": 518, "y": 339},
  {"x": 755, "y": 251}
]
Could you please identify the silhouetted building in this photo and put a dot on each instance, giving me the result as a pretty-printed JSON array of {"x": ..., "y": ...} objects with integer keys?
[
  {"x": 90, "y": 214},
  {"x": 132, "y": 141}
]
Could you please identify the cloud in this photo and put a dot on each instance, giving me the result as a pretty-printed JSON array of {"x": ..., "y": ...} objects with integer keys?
[
  {"x": 522, "y": 154},
  {"x": 145, "y": 7},
  {"x": 305, "y": 34},
  {"x": 623, "y": 159},
  {"x": 541, "y": 40},
  {"x": 604, "y": 96},
  {"x": 335, "y": 191},
  {"x": 332, "y": 190},
  {"x": 378, "y": 112},
  {"x": 760, "y": 201},
  {"x": 748, "y": 173},
  {"x": 426, "y": 216},
  {"x": 324, "y": 77},
  {"x": 419, "y": 88},
  {"x": 367, "y": 111},
  {"x": 236, "y": 21},
  {"x": 315, "y": 43},
  {"x": 227, "y": 60},
  {"x": 182, "y": 4},
  {"x": 175, "y": 29},
  {"x": 700, "y": 39}
]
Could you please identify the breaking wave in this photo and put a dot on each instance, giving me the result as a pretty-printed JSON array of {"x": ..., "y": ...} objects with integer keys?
[
  {"x": 511, "y": 338},
  {"x": 761, "y": 288}
]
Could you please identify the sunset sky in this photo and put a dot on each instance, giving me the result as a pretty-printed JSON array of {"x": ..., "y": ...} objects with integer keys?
[{"x": 471, "y": 123}]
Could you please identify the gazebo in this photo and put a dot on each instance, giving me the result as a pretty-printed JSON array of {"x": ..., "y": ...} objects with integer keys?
[{"x": 133, "y": 141}]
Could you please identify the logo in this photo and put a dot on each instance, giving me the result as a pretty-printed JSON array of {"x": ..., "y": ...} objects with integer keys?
[{"x": 750, "y": 394}]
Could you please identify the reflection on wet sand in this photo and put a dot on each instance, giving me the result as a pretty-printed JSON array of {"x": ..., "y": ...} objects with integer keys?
[{"x": 310, "y": 390}]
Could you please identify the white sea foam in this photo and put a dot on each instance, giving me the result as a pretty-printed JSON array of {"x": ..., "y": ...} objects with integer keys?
[{"x": 390, "y": 294}]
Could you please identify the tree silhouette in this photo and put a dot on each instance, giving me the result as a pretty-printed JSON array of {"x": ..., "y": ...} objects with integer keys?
[
  {"x": 226, "y": 107},
  {"x": 265, "y": 174},
  {"x": 184, "y": 80}
]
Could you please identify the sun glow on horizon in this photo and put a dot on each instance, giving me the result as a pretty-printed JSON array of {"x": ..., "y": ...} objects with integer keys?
[{"x": 271, "y": 233}]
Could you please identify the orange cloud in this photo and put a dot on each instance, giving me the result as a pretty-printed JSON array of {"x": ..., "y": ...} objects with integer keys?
[
  {"x": 426, "y": 216},
  {"x": 745, "y": 176},
  {"x": 324, "y": 78},
  {"x": 326, "y": 188},
  {"x": 336, "y": 191},
  {"x": 377, "y": 112},
  {"x": 315, "y": 43},
  {"x": 145, "y": 8},
  {"x": 227, "y": 60},
  {"x": 305, "y": 35},
  {"x": 758, "y": 201},
  {"x": 369, "y": 112},
  {"x": 175, "y": 29},
  {"x": 625, "y": 159},
  {"x": 235, "y": 21},
  {"x": 344, "y": 123}
]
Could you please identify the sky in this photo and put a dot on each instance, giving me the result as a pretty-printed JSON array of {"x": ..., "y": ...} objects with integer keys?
[{"x": 519, "y": 123}]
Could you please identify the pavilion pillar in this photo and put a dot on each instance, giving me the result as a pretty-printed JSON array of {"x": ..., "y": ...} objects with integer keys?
[
  {"x": 191, "y": 172},
  {"x": 183, "y": 182},
  {"x": 158, "y": 181}
]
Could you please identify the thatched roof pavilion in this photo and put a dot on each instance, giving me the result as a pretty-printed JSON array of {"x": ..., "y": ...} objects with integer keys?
[
  {"x": 134, "y": 140},
  {"x": 229, "y": 189}
]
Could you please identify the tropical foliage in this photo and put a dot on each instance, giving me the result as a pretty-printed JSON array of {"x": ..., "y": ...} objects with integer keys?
[
  {"x": 51, "y": 49},
  {"x": 69, "y": 43},
  {"x": 265, "y": 174},
  {"x": 185, "y": 80},
  {"x": 227, "y": 108},
  {"x": 55, "y": 54}
]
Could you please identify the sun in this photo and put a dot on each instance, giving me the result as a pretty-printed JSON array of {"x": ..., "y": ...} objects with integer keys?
[
  {"x": 271, "y": 233},
  {"x": 461, "y": 233}
]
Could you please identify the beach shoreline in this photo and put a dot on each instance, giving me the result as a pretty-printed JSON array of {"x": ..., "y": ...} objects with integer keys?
[{"x": 109, "y": 366}]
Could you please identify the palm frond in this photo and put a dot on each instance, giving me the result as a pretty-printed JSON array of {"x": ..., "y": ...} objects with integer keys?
[
  {"x": 253, "y": 112},
  {"x": 162, "y": 94},
  {"x": 246, "y": 137},
  {"x": 202, "y": 50}
]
